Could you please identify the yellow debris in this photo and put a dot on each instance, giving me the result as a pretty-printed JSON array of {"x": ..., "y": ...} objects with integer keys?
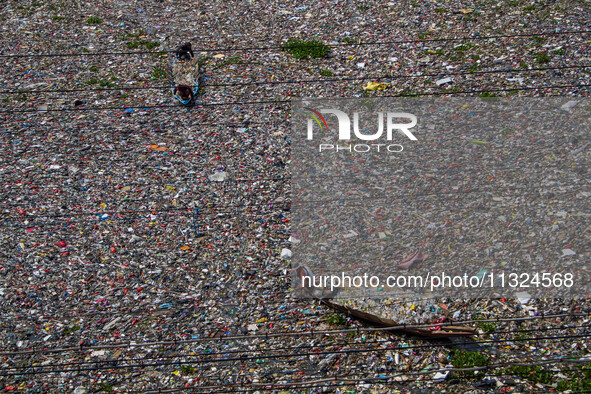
[
  {"x": 375, "y": 86},
  {"x": 158, "y": 148}
]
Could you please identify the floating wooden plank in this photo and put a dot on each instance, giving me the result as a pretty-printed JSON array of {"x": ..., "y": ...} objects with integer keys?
[{"x": 437, "y": 331}]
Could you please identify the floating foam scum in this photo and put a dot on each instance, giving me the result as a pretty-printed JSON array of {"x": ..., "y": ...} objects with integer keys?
[{"x": 476, "y": 198}]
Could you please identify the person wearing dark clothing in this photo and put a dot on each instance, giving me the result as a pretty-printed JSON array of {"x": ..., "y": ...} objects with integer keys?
[
  {"x": 185, "y": 92},
  {"x": 185, "y": 52}
]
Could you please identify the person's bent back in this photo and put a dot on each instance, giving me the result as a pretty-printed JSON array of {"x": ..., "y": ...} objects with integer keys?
[{"x": 185, "y": 52}]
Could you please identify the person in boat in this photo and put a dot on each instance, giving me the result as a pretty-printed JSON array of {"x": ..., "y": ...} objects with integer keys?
[
  {"x": 185, "y": 52},
  {"x": 184, "y": 92}
]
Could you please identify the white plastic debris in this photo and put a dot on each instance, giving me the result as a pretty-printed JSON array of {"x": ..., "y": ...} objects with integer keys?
[
  {"x": 219, "y": 176},
  {"x": 443, "y": 81},
  {"x": 440, "y": 376},
  {"x": 523, "y": 297},
  {"x": 286, "y": 253},
  {"x": 350, "y": 234},
  {"x": 294, "y": 240},
  {"x": 568, "y": 252},
  {"x": 516, "y": 79}
]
